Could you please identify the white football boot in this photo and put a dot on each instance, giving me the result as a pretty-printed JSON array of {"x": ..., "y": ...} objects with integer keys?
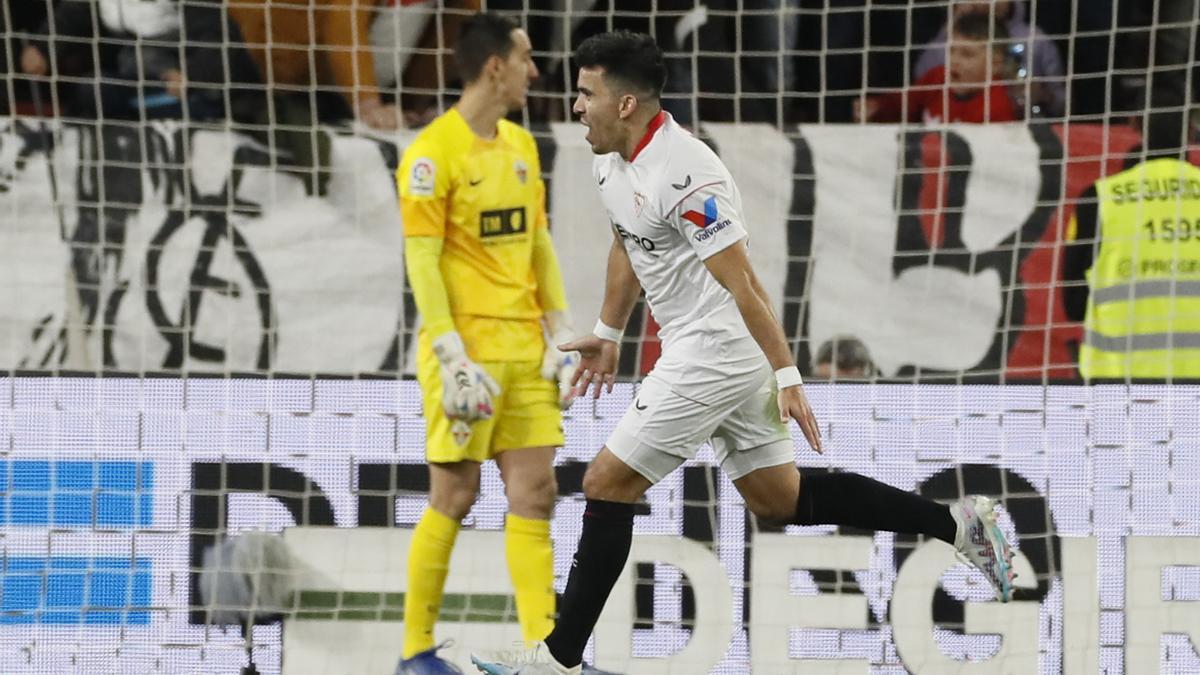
[{"x": 981, "y": 543}]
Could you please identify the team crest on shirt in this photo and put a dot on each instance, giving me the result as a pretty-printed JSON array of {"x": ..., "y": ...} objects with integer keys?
[
  {"x": 639, "y": 201},
  {"x": 461, "y": 432},
  {"x": 522, "y": 171},
  {"x": 702, "y": 212},
  {"x": 422, "y": 177}
]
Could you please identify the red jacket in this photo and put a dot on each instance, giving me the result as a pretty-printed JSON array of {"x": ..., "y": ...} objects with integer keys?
[{"x": 931, "y": 100}]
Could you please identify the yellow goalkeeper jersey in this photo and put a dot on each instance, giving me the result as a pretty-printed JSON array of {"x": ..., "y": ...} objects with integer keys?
[{"x": 486, "y": 200}]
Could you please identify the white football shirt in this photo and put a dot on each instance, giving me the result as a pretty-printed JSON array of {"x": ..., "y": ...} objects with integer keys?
[{"x": 674, "y": 204}]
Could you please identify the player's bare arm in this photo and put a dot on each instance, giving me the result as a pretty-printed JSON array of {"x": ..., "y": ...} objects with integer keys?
[
  {"x": 731, "y": 268},
  {"x": 598, "y": 362}
]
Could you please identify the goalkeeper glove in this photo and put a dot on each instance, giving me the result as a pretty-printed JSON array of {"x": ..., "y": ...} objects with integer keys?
[
  {"x": 467, "y": 389},
  {"x": 559, "y": 366}
]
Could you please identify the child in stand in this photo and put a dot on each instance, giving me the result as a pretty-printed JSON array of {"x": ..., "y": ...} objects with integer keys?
[{"x": 970, "y": 88}]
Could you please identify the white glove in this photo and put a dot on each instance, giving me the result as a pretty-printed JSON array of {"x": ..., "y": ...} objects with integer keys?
[
  {"x": 559, "y": 366},
  {"x": 467, "y": 389}
]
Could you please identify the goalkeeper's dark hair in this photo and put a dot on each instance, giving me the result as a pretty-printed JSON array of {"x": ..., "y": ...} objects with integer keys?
[
  {"x": 632, "y": 59},
  {"x": 482, "y": 36}
]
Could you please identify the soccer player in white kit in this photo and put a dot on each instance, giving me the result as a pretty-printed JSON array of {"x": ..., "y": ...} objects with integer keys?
[{"x": 726, "y": 374}]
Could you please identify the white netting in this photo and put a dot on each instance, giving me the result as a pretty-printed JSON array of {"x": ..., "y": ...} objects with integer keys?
[{"x": 206, "y": 330}]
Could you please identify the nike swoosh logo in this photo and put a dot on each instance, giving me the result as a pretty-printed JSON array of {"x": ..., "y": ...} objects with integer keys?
[
  {"x": 602, "y": 179},
  {"x": 638, "y": 404},
  {"x": 686, "y": 182},
  {"x": 475, "y": 182}
]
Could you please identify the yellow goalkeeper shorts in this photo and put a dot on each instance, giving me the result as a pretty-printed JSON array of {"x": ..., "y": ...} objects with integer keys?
[{"x": 526, "y": 413}]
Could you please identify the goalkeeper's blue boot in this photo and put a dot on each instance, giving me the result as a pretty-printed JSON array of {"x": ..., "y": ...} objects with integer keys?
[
  {"x": 981, "y": 543},
  {"x": 427, "y": 663}
]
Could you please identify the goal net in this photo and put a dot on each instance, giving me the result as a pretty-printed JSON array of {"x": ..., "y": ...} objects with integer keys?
[{"x": 207, "y": 335}]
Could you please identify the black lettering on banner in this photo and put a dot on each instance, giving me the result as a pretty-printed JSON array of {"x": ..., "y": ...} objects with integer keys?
[
  {"x": 502, "y": 222},
  {"x": 28, "y": 140},
  {"x": 117, "y": 166},
  {"x": 18, "y": 144},
  {"x": 629, "y": 362},
  {"x": 800, "y": 227},
  {"x": 185, "y": 204},
  {"x": 109, "y": 189},
  {"x": 547, "y": 156},
  {"x": 913, "y": 248},
  {"x": 395, "y": 357}
]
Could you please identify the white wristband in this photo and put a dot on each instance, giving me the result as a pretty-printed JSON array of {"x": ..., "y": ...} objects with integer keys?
[
  {"x": 788, "y": 377},
  {"x": 606, "y": 332}
]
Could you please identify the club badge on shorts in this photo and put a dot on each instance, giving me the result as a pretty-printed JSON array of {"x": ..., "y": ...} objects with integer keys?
[{"x": 461, "y": 432}]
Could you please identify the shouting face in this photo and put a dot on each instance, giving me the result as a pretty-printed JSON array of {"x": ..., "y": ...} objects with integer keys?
[{"x": 600, "y": 109}]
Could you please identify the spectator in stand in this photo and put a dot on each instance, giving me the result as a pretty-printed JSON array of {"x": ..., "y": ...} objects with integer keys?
[
  {"x": 399, "y": 29},
  {"x": 409, "y": 38},
  {"x": 220, "y": 80},
  {"x": 971, "y": 89},
  {"x": 843, "y": 357},
  {"x": 279, "y": 38},
  {"x": 162, "y": 58},
  {"x": 1034, "y": 54},
  {"x": 25, "y": 18},
  {"x": 135, "y": 71}
]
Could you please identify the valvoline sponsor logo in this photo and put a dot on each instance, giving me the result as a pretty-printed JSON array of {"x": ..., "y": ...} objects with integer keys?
[{"x": 709, "y": 221}]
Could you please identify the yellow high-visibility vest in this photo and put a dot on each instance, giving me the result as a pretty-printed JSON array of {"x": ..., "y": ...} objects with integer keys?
[{"x": 1143, "y": 311}]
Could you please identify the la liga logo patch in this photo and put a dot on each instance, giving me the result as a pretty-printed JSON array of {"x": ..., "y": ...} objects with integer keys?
[{"x": 423, "y": 177}]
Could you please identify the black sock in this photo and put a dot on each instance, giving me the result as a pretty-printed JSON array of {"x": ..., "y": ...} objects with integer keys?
[
  {"x": 599, "y": 560},
  {"x": 858, "y": 501}
]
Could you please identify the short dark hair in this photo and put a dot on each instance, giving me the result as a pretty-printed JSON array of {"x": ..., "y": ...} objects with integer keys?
[
  {"x": 482, "y": 36},
  {"x": 632, "y": 58},
  {"x": 978, "y": 26},
  {"x": 846, "y": 352}
]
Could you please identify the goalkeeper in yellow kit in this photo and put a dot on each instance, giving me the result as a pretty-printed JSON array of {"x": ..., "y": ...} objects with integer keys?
[{"x": 487, "y": 284}]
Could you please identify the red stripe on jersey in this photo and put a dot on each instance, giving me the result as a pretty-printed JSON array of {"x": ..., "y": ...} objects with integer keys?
[
  {"x": 696, "y": 218},
  {"x": 655, "y": 125}
]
